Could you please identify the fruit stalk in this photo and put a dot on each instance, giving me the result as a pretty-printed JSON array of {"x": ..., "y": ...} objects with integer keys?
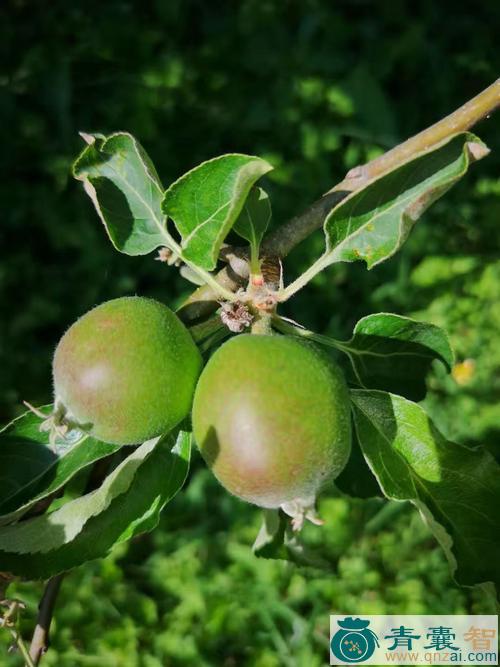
[{"x": 261, "y": 324}]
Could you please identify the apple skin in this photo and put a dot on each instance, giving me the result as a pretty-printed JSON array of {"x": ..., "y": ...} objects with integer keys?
[
  {"x": 271, "y": 417},
  {"x": 126, "y": 370}
]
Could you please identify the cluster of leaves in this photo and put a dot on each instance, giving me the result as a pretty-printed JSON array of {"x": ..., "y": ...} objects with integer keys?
[
  {"x": 301, "y": 86},
  {"x": 204, "y": 204},
  {"x": 82, "y": 524},
  {"x": 388, "y": 353},
  {"x": 331, "y": 101}
]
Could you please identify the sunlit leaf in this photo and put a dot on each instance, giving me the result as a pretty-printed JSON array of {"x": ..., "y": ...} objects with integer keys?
[
  {"x": 128, "y": 502},
  {"x": 205, "y": 203},
  {"x": 125, "y": 189},
  {"x": 394, "y": 353}
]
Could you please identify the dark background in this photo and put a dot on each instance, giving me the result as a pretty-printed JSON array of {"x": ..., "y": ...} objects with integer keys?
[{"x": 316, "y": 88}]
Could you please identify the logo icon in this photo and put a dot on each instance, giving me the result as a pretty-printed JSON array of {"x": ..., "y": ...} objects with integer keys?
[{"x": 354, "y": 642}]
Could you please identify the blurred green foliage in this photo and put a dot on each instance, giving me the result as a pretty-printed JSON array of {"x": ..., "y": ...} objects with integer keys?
[{"x": 316, "y": 88}]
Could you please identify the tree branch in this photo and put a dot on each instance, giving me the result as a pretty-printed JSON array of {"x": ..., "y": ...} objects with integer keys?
[
  {"x": 40, "y": 640},
  {"x": 286, "y": 237}
]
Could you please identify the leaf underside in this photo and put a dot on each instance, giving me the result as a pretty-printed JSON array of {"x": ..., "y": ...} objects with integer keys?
[
  {"x": 128, "y": 502},
  {"x": 254, "y": 218},
  {"x": 125, "y": 189},
  {"x": 33, "y": 470},
  {"x": 372, "y": 223},
  {"x": 356, "y": 479}
]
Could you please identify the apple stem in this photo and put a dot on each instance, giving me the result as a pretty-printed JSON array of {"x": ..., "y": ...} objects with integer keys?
[{"x": 261, "y": 324}]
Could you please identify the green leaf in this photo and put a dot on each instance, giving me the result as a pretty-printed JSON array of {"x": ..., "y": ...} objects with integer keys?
[
  {"x": 172, "y": 457},
  {"x": 206, "y": 328},
  {"x": 357, "y": 480},
  {"x": 276, "y": 540},
  {"x": 395, "y": 353},
  {"x": 254, "y": 219},
  {"x": 128, "y": 502},
  {"x": 31, "y": 469},
  {"x": 456, "y": 488},
  {"x": 205, "y": 203},
  {"x": 373, "y": 223},
  {"x": 51, "y": 530},
  {"x": 269, "y": 542},
  {"x": 125, "y": 189}
]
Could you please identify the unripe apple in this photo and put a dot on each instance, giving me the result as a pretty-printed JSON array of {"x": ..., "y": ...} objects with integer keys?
[
  {"x": 126, "y": 371},
  {"x": 271, "y": 418}
]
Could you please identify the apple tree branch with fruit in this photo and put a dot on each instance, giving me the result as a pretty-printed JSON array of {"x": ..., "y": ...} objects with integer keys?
[{"x": 278, "y": 412}]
